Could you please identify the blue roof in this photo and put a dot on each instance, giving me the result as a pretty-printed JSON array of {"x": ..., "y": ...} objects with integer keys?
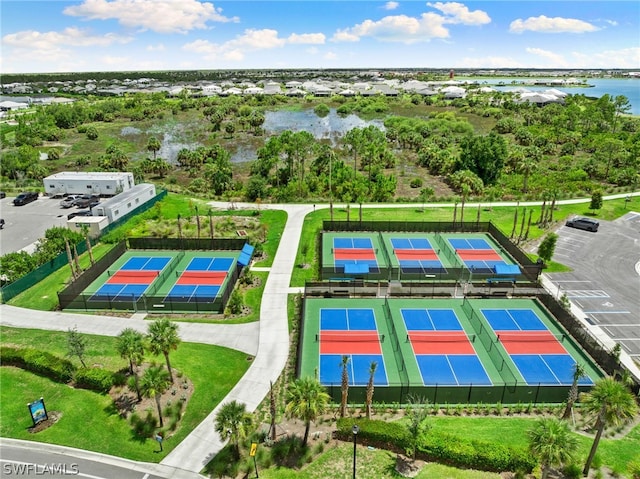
[{"x": 245, "y": 255}]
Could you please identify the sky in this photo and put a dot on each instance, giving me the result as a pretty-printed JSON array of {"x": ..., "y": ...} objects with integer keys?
[{"x": 134, "y": 35}]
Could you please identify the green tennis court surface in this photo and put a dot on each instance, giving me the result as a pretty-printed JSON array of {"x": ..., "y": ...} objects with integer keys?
[{"x": 447, "y": 349}]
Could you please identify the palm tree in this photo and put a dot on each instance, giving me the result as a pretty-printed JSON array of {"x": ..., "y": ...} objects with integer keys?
[
  {"x": 163, "y": 337},
  {"x": 612, "y": 404},
  {"x": 233, "y": 422},
  {"x": 344, "y": 385},
  {"x": 306, "y": 400},
  {"x": 130, "y": 346},
  {"x": 579, "y": 372},
  {"x": 153, "y": 383},
  {"x": 551, "y": 441},
  {"x": 153, "y": 145},
  {"x": 369, "y": 398}
]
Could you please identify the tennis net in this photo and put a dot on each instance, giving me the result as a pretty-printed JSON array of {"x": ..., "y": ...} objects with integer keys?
[
  {"x": 137, "y": 273},
  {"x": 529, "y": 337},
  {"x": 201, "y": 274},
  {"x": 341, "y": 337},
  {"x": 440, "y": 338}
]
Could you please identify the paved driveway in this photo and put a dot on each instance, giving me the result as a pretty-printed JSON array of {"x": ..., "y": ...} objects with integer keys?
[
  {"x": 26, "y": 224},
  {"x": 605, "y": 281}
]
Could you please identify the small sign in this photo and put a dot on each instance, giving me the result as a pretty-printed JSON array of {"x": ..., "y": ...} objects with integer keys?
[
  {"x": 254, "y": 448},
  {"x": 38, "y": 411}
]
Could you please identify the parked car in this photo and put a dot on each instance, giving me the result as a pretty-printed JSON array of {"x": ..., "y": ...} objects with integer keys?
[
  {"x": 2, "y": 194},
  {"x": 581, "y": 223},
  {"x": 25, "y": 197},
  {"x": 87, "y": 201},
  {"x": 69, "y": 201},
  {"x": 79, "y": 213}
]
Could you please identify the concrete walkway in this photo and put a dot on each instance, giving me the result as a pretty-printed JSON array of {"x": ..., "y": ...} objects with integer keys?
[{"x": 196, "y": 450}]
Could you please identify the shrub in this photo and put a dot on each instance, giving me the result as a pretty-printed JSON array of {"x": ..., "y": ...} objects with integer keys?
[
  {"x": 385, "y": 435},
  {"x": 95, "y": 379},
  {"x": 416, "y": 183},
  {"x": 38, "y": 362},
  {"x": 572, "y": 471}
]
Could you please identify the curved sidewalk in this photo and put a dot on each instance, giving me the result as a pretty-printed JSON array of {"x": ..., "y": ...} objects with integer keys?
[{"x": 197, "y": 449}]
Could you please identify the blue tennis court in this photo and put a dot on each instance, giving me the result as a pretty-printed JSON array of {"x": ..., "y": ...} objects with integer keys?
[
  {"x": 347, "y": 319},
  {"x": 197, "y": 293},
  {"x": 125, "y": 285},
  {"x": 357, "y": 369},
  {"x": 513, "y": 320},
  {"x": 469, "y": 243},
  {"x": 452, "y": 370},
  {"x": 119, "y": 292},
  {"x": 210, "y": 264},
  {"x": 352, "y": 243},
  {"x": 547, "y": 369},
  {"x": 430, "y": 320},
  {"x": 411, "y": 243}
]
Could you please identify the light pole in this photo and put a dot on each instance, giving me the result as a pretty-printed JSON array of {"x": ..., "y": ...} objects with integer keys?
[{"x": 355, "y": 429}]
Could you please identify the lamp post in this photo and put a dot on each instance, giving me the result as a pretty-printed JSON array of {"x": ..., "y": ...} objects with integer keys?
[{"x": 355, "y": 429}]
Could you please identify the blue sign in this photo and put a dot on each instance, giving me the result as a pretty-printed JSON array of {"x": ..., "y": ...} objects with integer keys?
[{"x": 38, "y": 411}]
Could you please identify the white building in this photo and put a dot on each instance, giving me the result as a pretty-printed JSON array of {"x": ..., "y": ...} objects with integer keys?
[
  {"x": 95, "y": 224},
  {"x": 90, "y": 183},
  {"x": 118, "y": 206}
]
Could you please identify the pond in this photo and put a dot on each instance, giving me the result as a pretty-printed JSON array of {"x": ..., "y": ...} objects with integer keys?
[{"x": 332, "y": 127}]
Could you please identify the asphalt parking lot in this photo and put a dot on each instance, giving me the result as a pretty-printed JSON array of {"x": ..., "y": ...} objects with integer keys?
[
  {"x": 24, "y": 225},
  {"x": 605, "y": 281}
]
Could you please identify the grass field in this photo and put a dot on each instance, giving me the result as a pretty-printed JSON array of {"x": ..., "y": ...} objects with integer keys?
[{"x": 109, "y": 433}]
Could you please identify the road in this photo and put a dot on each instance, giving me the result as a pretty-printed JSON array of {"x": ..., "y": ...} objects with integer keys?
[{"x": 22, "y": 459}]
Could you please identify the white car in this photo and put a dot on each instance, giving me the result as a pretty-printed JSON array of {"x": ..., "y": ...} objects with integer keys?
[{"x": 69, "y": 201}]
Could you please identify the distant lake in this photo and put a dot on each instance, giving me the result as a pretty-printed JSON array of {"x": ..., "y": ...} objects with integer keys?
[
  {"x": 601, "y": 86},
  {"x": 332, "y": 126}
]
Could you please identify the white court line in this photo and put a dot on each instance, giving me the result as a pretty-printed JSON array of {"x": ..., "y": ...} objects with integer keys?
[{"x": 574, "y": 281}]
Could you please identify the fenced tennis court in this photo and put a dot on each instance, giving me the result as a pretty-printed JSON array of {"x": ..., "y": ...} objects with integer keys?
[
  {"x": 416, "y": 257},
  {"x": 442, "y": 349},
  {"x": 159, "y": 280}
]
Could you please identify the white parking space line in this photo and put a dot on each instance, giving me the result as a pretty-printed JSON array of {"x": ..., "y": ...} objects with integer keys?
[
  {"x": 586, "y": 293},
  {"x": 609, "y": 312}
]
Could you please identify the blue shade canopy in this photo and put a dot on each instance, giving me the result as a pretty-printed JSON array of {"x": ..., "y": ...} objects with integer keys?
[
  {"x": 507, "y": 269},
  {"x": 356, "y": 268}
]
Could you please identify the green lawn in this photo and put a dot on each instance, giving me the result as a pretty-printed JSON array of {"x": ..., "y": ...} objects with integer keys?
[
  {"x": 109, "y": 433},
  {"x": 337, "y": 463},
  {"x": 43, "y": 295},
  {"x": 615, "y": 453}
]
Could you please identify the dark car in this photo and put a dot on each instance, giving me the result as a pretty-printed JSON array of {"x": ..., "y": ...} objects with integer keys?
[
  {"x": 87, "y": 201},
  {"x": 2, "y": 194},
  {"x": 24, "y": 198},
  {"x": 583, "y": 224},
  {"x": 79, "y": 213}
]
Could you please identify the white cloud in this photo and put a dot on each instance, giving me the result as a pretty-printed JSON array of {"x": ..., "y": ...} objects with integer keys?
[
  {"x": 156, "y": 48},
  {"x": 75, "y": 37},
  {"x": 458, "y": 13},
  {"x": 552, "y": 59},
  {"x": 397, "y": 28},
  {"x": 391, "y": 5},
  {"x": 623, "y": 58},
  {"x": 235, "y": 50},
  {"x": 330, "y": 56},
  {"x": 307, "y": 38},
  {"x": 545, "y": 24},
  {"x": 162, "y": 16}
]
